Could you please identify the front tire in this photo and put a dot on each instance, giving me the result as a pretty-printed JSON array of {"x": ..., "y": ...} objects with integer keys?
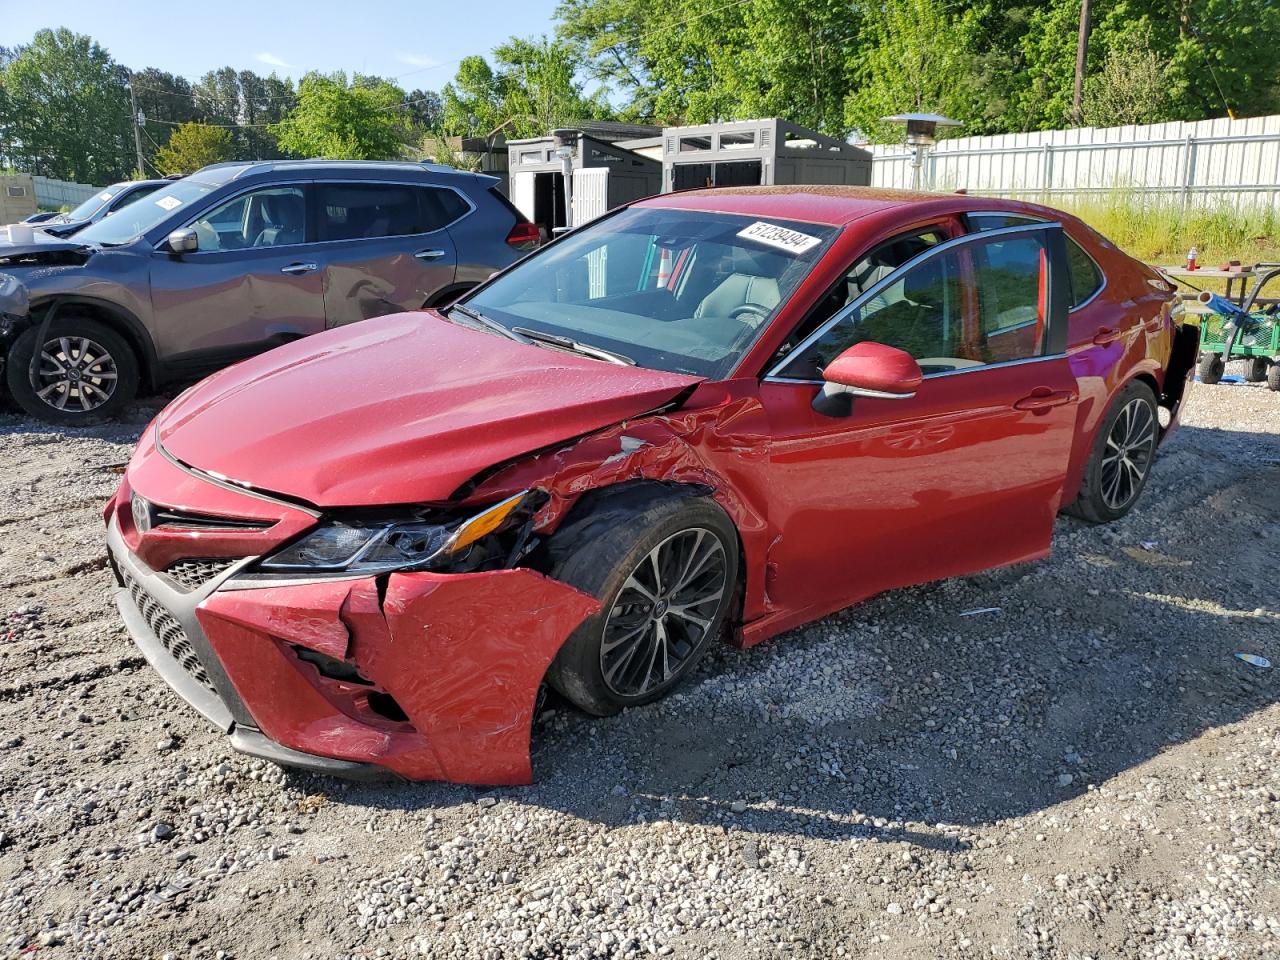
[
  {"x": 1273, "y": 376},
  {"x": 86, "y": 372},
  {"x": 1120, "y": 462},
  {"x": 665, "y": 569}
]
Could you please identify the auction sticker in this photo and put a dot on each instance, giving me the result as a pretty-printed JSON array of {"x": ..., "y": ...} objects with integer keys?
[
  {"x": 168, "y": 203},
  {"x": 782, "y": 238},
  {"x": 105, "y": 196}
]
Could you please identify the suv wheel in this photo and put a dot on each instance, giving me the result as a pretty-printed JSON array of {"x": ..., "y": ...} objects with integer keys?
[{"x": 86, "y": 372}]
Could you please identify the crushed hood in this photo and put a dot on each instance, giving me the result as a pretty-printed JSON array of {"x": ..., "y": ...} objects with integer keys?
[
  {"x": 401, "y": 409},
  {"x": 44, "y": 250}
]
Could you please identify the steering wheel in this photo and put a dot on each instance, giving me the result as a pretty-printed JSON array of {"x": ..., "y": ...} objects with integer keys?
[{"x": 749, "y": 313}]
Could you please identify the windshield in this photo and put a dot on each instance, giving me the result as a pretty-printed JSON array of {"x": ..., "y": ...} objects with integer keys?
[
  {"x": 93, "y": 204},
  {"x": 134, "y": 219},
  {"x": 685, "y": 291}
]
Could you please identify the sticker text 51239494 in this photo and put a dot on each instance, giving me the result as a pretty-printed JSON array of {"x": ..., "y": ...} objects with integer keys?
[{"x": 781, "y": 238}]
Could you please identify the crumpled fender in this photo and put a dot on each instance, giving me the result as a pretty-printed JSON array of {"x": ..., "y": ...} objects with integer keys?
[
  {"x": 463, "y": 655},
  {"x": 722, "y": 436}
]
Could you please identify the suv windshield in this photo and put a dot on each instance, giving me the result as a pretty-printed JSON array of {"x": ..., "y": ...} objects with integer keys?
[
  {"x": 93, "y": 204},
  {"x": 685, "y": 291},
  {"x": 135, "y": 219}
]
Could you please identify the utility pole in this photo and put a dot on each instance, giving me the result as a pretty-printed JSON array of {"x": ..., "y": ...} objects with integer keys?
[
  {"x": 1082, "y": 53},
  {"x": 135, "y": 121}
]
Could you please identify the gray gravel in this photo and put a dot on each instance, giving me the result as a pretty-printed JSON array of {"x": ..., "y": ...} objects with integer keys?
[{"x": 1085, "y": 771}]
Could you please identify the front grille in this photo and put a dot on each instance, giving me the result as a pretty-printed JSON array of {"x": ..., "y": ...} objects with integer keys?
[
  {"x": 194, "y": 574},
  {"x": 168, "y": 631}
]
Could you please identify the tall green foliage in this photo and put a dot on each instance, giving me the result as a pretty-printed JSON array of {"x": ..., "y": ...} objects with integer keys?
[
  {"x": 338, "y": 120},
  {"x": 530, "y": 89},
  {"x": 64, "y": 109}
]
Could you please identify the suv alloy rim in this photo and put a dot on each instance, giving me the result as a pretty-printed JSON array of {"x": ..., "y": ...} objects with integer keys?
[
  {"x": 1128, "y": 455},
  {"x": 75, "y": 373},
  {"x": 663, "y": 612}
]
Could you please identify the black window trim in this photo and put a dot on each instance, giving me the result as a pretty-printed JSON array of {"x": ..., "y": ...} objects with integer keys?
[
  {"x": 776, "y": 375},
  {"x": 1031, "y": 218}
]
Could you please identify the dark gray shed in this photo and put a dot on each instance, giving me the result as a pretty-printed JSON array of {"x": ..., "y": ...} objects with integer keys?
[
  {"x": 604, "y": 176},
  {"x": 750, "y": 152}
]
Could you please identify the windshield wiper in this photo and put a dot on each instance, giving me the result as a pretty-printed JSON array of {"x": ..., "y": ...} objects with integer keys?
[
  {"x": 586, "y": 349},
  {"x": 489, "y": 324}
]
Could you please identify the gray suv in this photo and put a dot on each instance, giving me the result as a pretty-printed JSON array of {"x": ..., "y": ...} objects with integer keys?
[{"x": 239, "y": 258}]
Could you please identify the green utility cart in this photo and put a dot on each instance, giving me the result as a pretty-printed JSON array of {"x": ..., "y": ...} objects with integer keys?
[{"x": 1230, "y": 332}]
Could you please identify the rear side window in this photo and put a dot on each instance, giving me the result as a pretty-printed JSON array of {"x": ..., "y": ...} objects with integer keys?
[
  {"x": 441, "y": 207},
  {"x": 351, "y": 211},
  {"x": 1086, "y": 278}
]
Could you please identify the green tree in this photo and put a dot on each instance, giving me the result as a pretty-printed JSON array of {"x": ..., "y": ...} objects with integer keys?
[
  {"x": 1131, "y": 87},
  {"x": 195, "y": 145},
  {"x": 341, "y": 121},
  {"x": 920, "y": 59},
  {"x": 531, "y": 89},
  {"x": 65, "y": 110}
]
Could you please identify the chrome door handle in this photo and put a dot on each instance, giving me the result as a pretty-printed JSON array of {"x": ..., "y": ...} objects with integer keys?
[
  {"x": 430, "y": 254},
  {"x": 295, "y": 268}
]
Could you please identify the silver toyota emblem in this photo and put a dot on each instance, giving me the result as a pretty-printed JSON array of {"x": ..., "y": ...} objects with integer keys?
[{"x": 141, "y": 514}]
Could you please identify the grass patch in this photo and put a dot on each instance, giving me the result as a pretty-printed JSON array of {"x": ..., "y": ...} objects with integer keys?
[{"x": 1158, "y": 230}]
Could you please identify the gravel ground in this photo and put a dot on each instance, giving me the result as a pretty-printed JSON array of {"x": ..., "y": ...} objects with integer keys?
[{"x": 1084, "y": 772}]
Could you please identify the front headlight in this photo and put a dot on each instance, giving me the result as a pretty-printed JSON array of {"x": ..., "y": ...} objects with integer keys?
[{"x": 369, "y": 548}]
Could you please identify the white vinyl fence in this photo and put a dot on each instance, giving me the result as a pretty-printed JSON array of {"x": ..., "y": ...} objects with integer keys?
[{"x": 1205, "y": 162}]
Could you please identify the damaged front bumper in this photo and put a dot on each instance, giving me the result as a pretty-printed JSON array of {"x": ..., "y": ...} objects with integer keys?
[{"x": 430, "y": 676}]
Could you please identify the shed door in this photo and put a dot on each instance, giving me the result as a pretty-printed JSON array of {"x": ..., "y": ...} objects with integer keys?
[
  {"x": 522, "y": 192},
  {"x": 590, "y": 194}
]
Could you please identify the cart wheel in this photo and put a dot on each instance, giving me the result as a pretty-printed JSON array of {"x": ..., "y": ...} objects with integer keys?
[
  {"x": 1273, "y": 377},
  {"x": 1211, "y": 367},
  {"x": 1255, "y": 369}
]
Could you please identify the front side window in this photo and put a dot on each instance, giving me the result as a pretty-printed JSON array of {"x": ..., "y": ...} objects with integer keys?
[
  {"x": 866, "y": 272},
  {"x": 680, "y": 290},
  {"x": 364, "y": 211},
  {"x": 274, "y": 217},
  {"x": 969, "y": 306}
]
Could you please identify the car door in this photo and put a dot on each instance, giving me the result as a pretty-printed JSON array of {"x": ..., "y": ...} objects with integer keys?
[
  {"x": 384, "y": 247},
  {"x": 252, "y": 284},
  {"x": 964, "y": 475}
]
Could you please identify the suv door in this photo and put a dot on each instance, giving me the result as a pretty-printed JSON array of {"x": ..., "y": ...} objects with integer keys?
[
  {"x": 252, "y": 284},
  {"x": 964, "y": 475},
  {"x": 384, "y": 246}
]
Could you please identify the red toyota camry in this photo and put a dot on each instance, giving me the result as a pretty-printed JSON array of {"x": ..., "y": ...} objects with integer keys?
[{"x": 711, "y": 414}]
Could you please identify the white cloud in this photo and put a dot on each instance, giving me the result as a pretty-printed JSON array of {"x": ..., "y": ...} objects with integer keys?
[
  {"x": 414, "y": 60},
  {"x": 271, "y": 60}
]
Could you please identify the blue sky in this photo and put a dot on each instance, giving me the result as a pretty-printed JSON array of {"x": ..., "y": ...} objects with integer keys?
[{"x": 419, "y": 42}]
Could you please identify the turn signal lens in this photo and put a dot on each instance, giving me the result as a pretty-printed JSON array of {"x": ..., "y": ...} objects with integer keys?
[{"x": 483, "y": 524}]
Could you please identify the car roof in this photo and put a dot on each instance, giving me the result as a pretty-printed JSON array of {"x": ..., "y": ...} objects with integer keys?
[
  {"x": 831, "y": 204},
  {"x": 222, "y": 173}
]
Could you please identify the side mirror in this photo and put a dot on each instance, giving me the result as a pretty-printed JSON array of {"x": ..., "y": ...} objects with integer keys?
[
  {"x": 867, "y": 370},
  {"x": 184, "y": 241}
]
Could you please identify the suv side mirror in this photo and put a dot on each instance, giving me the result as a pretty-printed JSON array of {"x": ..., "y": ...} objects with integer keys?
[
  {"x": 184, "y": 241},
  {"x": 867, "y": 370}
]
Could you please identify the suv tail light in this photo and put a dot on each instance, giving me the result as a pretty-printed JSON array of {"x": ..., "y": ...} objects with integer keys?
[{"x": 524, "y": 236}]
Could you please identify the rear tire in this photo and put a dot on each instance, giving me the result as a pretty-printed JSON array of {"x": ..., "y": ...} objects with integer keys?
[
  {"x": 1273, "y": 377},
  {"x": 1211, "y": 367},
  {"x": 1255, "y": 369},
  {"x": 1120, "y": 462},
  {"x": 87, "y": 372},
  {"x": 635, "y": 550}
]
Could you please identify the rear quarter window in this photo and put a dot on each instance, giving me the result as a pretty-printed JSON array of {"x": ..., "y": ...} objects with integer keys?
[{"x": 1086, "y": 277}]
